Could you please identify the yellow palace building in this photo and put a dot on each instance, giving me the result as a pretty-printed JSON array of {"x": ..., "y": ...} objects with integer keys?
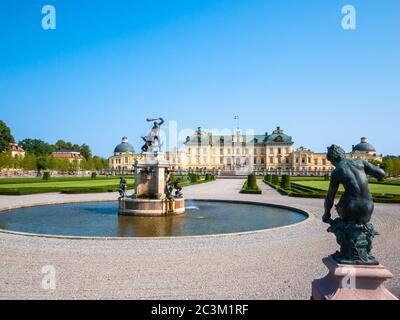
[{"x": 272, "y": 153}]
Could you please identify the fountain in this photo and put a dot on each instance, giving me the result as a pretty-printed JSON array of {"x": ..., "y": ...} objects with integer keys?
[{"x": 153, "y": 194}]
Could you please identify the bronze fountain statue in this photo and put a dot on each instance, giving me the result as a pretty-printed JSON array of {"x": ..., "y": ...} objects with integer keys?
[
  {"x": 353, "y": 230},
  {"x": 153, "y": 136}
]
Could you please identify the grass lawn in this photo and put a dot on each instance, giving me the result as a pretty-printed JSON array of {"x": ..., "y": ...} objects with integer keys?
[
  {"x": 78, "y": 184},
  {"x": 21, "y": 186},
  {"x": 374, "y": 188}
]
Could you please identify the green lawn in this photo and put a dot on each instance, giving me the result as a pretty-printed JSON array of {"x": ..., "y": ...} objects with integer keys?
[
  {"x": 52, "y": 179},
  {"x": 17, "y": 186},
  {"x": 63, "y": 184},
  {"x": 374, "y": 188},
  {"x": 73, "y": 184}
]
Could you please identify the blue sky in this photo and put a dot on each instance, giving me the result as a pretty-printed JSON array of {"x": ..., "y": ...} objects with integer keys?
[{"x": 111, "y": 64}]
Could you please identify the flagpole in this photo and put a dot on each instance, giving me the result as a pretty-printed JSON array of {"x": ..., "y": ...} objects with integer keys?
[{"x": 237, "y": 121}]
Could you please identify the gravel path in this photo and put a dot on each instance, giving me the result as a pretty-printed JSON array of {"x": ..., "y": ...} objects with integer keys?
[{"x": 272, "y": 264}]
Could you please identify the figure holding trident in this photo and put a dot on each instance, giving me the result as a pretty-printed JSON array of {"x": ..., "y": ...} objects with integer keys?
[{"x": 153, "y": 135}]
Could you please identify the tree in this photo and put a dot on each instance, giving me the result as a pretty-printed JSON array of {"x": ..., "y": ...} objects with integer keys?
[
  {"x": 37, "y": 147},
  {"x": 41, "y": 164},
  {"x": 100, "y": 163},
  {"x": 62, "y": 145},
  {"x": 85, "y": 151},
  {"x": 5, "y": 137},
  {"x": 391, "y": 165},
  {"x": 28, "y": 162},
  {"x": 6, "y": 159}
]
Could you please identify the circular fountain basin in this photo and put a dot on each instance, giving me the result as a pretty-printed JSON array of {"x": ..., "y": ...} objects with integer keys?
[{"x": 101, "y": 219}]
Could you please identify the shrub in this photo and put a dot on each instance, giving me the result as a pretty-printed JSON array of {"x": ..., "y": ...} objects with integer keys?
[
  {"x": 193, "y": 177},
  {"x": 275, "y": 179},
  {"x": 93, "y": 175},
  {"x": 246, "y": 189},
  {"x": 326, "y": 177},
  {"x": 46, "y": 175},
  {"x": 268, "y": 177},
  {"x": 209, "y": 177},
  {"x": 285, "y": 183},
  {"x": 172, "y": 176},
  {"x": 252, "y": 181}
]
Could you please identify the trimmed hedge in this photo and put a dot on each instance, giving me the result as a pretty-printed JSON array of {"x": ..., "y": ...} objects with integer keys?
[
  {"x": 210, "y": 177},
  {"x": 285, "y": 182},
  {"x": 252, "y": 181},
  {"x": 93, "y": 175},
  {"x": 46, "y": 175},
  {"x": 247, "y": 190},
  {"x": 268, "y": 177},
  {"x": 300, "y": 191},
  {"x": 275, "y": 179}
]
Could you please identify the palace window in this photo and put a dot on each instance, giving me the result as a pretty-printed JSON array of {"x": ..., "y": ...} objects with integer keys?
[{"x": 271, "y": 159}]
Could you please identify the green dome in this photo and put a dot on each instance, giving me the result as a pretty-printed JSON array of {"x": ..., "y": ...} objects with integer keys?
[
  {"x": 364, "y": 146},
  {"x": 124, "y": 147},
  {"x": 278, "y": 136}
]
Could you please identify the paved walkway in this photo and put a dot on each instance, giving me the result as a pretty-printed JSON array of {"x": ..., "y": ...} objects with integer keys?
[{"x": 272, "y": 264}]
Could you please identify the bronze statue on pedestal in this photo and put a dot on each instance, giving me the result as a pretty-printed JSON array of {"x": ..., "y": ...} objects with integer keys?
[{"x": 353, "y": 230}]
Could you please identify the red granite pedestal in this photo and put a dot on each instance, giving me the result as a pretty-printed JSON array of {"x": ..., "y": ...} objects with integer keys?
[{"x": 352, "y": 282}]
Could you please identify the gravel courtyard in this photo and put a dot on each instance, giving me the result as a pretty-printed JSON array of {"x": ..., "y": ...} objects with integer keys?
[{"x": 271, "y": 264}]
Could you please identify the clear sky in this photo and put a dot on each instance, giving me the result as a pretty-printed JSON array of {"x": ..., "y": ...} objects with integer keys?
[{"x": 111, "y": 64}]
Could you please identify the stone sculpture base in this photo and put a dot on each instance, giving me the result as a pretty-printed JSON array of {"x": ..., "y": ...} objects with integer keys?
[
  {"x": 150, "y": 207},
  {"x": 352, "y": 282}
]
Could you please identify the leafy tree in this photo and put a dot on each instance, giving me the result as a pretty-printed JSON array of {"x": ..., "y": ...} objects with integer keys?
[
  {"x": 37, "y": 147},
  {"x": 41, "y": 164},
  {"x": 75, "y": 147},
  {"x": 62, "y": 145},
  {"x": 6, "y": 160},
  {"x": 392, "y": 166},
  {"x": 5, "y": 137},
  {"x": 74, "y": 165},
  {"x": 28, "y": 162},
  {"x": 85, "y": 151},
  {"x": 100, "y": 163},
  {"x": 63, "y": 165}
]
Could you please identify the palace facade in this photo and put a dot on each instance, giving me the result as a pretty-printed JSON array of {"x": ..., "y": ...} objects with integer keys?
[{"x": 267, "y": 153}]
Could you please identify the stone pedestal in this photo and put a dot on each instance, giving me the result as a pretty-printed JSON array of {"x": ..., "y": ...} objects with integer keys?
[
  {"x": 352, "y": 282},
  {"x": 150, "y": 176},
  {"x": 149, "y": 198}
]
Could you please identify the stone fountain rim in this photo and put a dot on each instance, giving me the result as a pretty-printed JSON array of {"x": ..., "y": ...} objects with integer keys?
[{"x": 308, "y": 214}]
